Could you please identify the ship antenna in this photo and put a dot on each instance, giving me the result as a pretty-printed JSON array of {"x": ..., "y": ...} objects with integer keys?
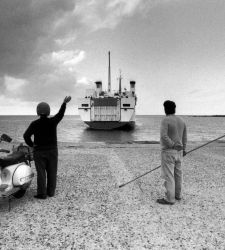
[
  {"x": 120, "y": 78},
  {"x": 109, "y": 76}
]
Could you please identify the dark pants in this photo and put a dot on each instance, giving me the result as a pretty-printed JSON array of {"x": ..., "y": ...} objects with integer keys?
[{"x": 46, "y": 165}]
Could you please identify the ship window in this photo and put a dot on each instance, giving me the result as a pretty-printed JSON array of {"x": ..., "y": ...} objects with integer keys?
[
  {"x": 84, "y": 105},
  {"x": 126, "y": 105}
]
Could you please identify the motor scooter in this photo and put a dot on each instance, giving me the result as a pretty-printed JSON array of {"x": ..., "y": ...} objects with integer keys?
[{"x": 15, "y": 171}]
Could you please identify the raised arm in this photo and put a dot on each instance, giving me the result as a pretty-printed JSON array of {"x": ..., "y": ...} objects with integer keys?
[{"x": 58, "y": 117}]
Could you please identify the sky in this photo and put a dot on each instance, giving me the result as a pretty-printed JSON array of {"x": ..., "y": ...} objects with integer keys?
[{"x": 173, "y": 49}]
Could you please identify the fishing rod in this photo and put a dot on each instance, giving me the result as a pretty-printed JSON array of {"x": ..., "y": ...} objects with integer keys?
[{"x": 122, "y": 185}]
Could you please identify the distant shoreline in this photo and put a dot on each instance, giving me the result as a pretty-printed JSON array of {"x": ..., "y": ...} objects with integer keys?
[
  {"x": 136, "y": 115},
  {"x": 207, "y": 115}
]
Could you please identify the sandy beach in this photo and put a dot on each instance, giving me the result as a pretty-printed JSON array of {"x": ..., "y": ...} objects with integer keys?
[{"x": 90, "y": 211}]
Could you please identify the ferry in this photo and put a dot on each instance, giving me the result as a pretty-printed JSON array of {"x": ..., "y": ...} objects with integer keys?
[{"x": 107, "y": 110}]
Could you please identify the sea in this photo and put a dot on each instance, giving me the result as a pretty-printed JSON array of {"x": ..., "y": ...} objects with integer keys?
[{"x": 72, "y": 129}]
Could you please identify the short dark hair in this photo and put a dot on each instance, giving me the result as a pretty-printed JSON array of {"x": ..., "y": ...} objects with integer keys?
[{"x": 169, "y": 107}]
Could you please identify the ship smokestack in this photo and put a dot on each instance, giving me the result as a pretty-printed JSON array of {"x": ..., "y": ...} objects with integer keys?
[
  {"x": 98, "y": 87},
  {"x": 109, "y": 76},
  {"x": 132, "y": 86}
]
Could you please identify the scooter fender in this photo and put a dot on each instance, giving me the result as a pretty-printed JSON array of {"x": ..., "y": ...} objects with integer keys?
[{"x": 17, "y": 175}]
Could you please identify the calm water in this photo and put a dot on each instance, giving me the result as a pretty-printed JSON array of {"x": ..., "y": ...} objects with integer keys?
[{"x": 72, "y": 129}]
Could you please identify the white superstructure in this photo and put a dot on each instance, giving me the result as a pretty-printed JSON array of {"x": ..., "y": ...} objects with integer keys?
[{"x": 106, "y": 110}]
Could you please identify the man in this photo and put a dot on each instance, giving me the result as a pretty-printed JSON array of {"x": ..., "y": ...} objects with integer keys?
[
  {"x": 44, "y": 143},
  {"x": 173, "y": 140}
]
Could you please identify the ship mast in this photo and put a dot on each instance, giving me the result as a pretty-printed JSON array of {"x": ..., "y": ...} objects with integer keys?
[
  {"x": 109, "y": 76},
  {"x": 120, "y": 78}
]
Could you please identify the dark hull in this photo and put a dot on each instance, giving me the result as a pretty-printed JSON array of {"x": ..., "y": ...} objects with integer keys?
[{"x": 111, "y": 125}]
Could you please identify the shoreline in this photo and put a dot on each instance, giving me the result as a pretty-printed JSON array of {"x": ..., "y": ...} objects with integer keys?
[
  {"x": 190, "y": 145},
  {"x": 90, "y": 211}
]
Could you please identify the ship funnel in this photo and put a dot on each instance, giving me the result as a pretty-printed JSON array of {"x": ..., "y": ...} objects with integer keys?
[
  {"x": 132, "y": 86},
  {"x": 98, "y": 87}
]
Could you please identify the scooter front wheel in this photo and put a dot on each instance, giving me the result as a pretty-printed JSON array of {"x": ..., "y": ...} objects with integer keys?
[{"x": 19, "y": 194}]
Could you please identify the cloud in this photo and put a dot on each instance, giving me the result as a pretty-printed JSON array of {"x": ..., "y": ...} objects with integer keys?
[
  {"x": 67, "y": 40},
  {"x": 37, "y": 59},
  {"x": 85, "y": 81},
  {"x": 50, "y": 86},
  {"x": 63, "y": 58},
  {"x": 31, "y": 31},
  {"x": 206, "y": 93},
  {"x": 27, "y": 29},
  {"x": 13, "y": 84},
  {"x": 69, "y": 58},
  {"x": 98, "y": 14},
  {"x": 58, "y": 78}
]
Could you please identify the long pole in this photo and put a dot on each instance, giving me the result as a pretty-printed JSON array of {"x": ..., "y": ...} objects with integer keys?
[{"x": 122, "y": 185}]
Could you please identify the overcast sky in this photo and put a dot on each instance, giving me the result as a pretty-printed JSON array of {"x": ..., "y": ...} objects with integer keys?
[{"x": 174, "y": 49}]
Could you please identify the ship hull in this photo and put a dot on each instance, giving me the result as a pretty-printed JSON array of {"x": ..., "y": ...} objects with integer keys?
[{"x": 109, "y": 125}]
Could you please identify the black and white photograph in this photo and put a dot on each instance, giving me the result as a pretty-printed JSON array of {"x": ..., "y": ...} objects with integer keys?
[{"x": 112, "y": 124}]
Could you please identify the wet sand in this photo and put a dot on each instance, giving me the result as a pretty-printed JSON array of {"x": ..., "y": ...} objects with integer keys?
[{"x": 90, "y": 211}]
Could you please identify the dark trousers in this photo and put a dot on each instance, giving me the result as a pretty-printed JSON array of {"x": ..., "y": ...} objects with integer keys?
[{"x": 46, "y": 162}]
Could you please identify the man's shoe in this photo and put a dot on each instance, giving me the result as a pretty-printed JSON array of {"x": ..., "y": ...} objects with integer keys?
[
  {"x": 178, "y": 198},
  {"x": 50, "y": 194},
  {"x": 164, "y": 202},
  {"x": 40, "y": 196}
]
